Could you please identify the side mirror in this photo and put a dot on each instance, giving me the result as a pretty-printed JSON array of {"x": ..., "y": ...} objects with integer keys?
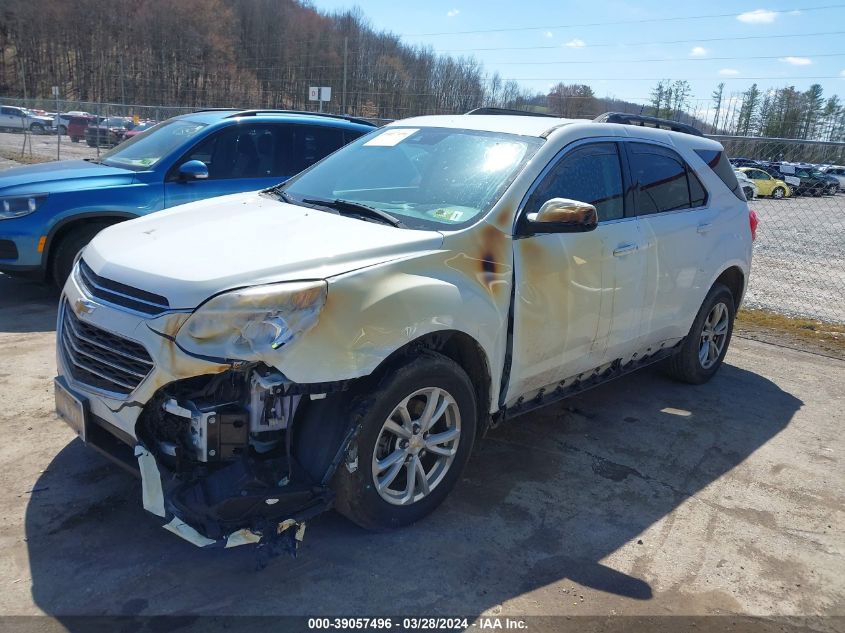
[
  {"x": 562, "y": 215},
  {"x": 193, "y": 170}
]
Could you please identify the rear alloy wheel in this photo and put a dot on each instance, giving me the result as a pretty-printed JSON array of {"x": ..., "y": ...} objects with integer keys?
[
  {"x": 416, "y": 433},
  {"x": 704, "y": 348},
  {"x": 778, "y": 193},
  {"x": 831, "y": 191},
  {"x": 36, "y": 128}
]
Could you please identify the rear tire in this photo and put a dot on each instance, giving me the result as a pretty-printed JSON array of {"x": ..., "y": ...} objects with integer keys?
[
  {"x": 704, "y": 349},
  {"x": 392, "y": 430},
  {"x": 831, "y": 191},
  {"x": 778, "y": 193},
  {"x": 67, "y": 249},
  {"x": 36, "y": 128}
]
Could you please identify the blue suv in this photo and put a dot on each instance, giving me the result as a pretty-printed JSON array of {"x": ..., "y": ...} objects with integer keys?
[{"x": 49, "y": 212}]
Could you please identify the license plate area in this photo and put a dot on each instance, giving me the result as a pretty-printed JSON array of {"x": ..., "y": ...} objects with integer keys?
[{"x": 71, "y": 408}]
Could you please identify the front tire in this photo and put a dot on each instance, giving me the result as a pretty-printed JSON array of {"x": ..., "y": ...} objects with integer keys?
[
  {"x": 415, "y": 436},
  {"x": 705, "y": 347},
  {"x": 68, "y": 248}
]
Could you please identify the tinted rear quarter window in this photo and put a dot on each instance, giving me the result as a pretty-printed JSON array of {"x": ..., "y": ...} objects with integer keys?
[
  {"x": 718, "y": 162},
  {"x": 665, "y": 181}
]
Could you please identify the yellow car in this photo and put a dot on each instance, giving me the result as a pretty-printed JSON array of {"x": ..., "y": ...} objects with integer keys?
[{"x": 766, "y": 184}]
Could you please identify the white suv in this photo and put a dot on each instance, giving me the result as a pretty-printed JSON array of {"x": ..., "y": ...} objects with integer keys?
[
  {"x": 13, "y": 118},
  {"x": 344, "y": 338}
]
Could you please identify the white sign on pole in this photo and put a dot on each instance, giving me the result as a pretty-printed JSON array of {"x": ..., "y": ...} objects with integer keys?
[
  {"x": 55, "y": 91},
  {"x": 323, "y": 93}
]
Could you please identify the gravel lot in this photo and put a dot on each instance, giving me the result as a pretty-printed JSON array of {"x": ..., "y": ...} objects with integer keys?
[
  {"x": 643, "y": 496},
  {"x": 799, "y": 257},
  {"x": 44, "y": 146}
]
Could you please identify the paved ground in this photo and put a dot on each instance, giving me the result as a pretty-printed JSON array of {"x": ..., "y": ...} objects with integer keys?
[{"x": 641, "y": 497}]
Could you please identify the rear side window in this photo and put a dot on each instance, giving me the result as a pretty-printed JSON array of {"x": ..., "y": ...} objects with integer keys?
[
  {"x": 665, "y": 181},
  {"x": 311, "y": 143},
  {"x": 718, "y": 162}
]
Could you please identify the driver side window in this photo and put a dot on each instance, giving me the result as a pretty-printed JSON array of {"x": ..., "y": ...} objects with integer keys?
[{"x": 592, "y": 174}]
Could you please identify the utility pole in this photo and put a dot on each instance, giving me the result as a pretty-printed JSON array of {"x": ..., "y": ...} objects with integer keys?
[
  {"x": 23, "y": 79},
  {"x": 345, "y": 55},
  {"x": 122, "y": 82},
  {"x": 58, "y": 125}
]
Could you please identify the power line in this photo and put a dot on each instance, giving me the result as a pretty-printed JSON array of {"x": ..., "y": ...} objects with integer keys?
[
  {"x": 614, "y": 44},
  {"x": 720, "y": 78},
  {"x": 662, "y": 59},
  {"x": 617, "y": 22}
]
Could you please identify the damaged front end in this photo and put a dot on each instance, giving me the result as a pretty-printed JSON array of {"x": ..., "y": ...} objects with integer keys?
[
  {"x": 230, "y": 451},
  {"x": 233, "y": 458}
]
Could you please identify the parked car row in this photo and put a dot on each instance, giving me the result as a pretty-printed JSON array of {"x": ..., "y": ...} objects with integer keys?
[
  {"x": 792, "y": 179},
  {"x": 77, "y": 125}
]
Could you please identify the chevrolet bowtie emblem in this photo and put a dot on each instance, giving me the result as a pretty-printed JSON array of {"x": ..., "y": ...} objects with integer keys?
[{"x": 84, "y": 306}]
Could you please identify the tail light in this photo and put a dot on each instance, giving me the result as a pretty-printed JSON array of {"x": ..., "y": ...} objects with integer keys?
[{"x": 753, "y": 220}]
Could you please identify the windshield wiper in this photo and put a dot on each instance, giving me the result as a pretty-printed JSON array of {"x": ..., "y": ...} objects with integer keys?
[
  {"x": 349, "y": 207},
  {"x": 277, "y": 191}
]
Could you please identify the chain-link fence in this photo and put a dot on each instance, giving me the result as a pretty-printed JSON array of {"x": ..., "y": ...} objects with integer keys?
[
  {"x": 799, "y": 196},
  {"x": 799, "y": 255}
]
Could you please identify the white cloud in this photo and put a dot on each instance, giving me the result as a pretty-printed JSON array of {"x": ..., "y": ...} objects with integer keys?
[
  {"x": 576, "y": 43},
  {"x": 796, "y": 61},
  {"x": 757, "y": 16},
  {"x": 698, "y": 51},
  {"x": 548, "y": 34},
  {"x": 728, "y": 72},
  {"x": 452, "y": 13}
]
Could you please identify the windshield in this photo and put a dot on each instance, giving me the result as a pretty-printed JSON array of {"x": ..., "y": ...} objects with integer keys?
[
  {"x": 143, "y": 151},
  {"x": 426, "y": 177}
]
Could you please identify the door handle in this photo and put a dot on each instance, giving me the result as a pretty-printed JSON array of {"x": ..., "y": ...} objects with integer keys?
[
  {"x": 704, "y": 227},
  {"x": 624, "y": 249}
]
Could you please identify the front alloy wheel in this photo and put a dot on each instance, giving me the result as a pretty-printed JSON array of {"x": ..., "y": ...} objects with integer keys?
[
  {"x": 415, "y": 434},
  {"x": 416, "y": 446}
]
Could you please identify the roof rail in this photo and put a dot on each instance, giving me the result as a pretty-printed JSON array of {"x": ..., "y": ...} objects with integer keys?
[
  {"x": 327, "y": 115},
  {"x": 647, "y": 121},
  {"x": 510, "y": 112}
]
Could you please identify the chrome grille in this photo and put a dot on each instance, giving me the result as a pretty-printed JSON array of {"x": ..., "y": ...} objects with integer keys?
[
  {"x": 99, "y": 358},
  {"x": 120, "y": 294}
]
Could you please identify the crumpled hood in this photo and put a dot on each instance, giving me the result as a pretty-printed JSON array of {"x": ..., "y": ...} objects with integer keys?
[
  {"x": 58, "y": 176},
  {"x": 194, "y": 251}
]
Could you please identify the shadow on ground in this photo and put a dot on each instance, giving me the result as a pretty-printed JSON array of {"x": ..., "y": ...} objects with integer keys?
[
  {"x": 27, "y": 306},
  {"x": 544, "y": 499}
]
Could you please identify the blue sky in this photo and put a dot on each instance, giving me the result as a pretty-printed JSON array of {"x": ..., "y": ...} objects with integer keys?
[{"x": 576, "y": 42}]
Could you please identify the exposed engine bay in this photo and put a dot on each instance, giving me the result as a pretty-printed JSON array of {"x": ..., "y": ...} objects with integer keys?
[{"x": 240, "y": 456}]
